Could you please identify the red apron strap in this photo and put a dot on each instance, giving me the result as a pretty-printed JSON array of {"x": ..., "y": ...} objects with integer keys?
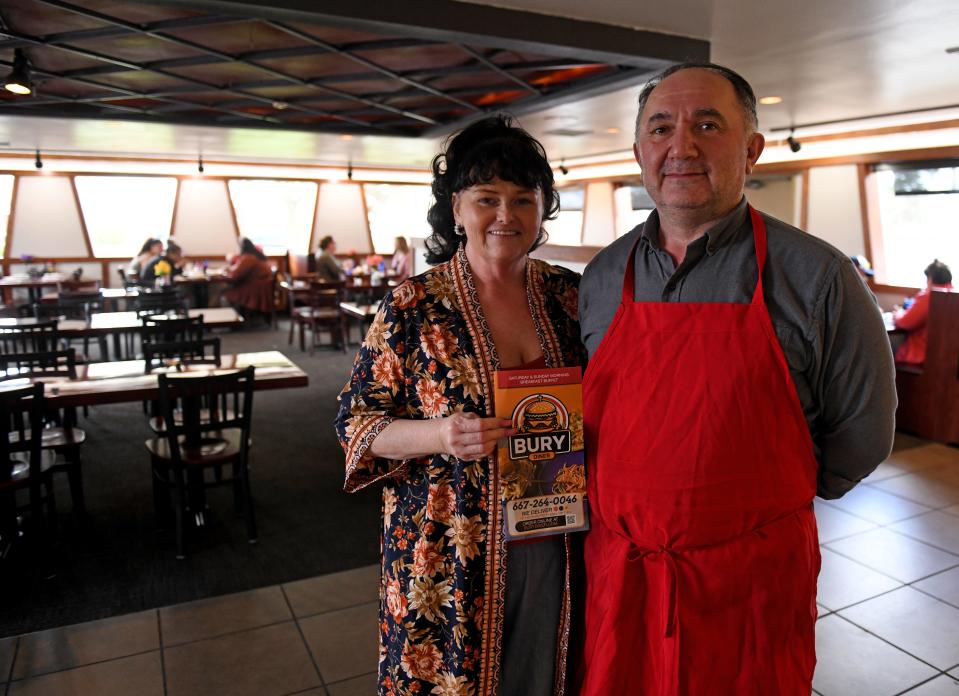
[
  {"x": 629, "y": 290},
  {"x": 759, "y": 238}
]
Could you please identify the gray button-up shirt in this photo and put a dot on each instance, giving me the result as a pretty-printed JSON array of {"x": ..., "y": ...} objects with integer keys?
[{"x": 827, "y": 322}]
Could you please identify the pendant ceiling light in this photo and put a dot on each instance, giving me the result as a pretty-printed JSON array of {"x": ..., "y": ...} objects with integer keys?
[{"x": 18, "y": 81}]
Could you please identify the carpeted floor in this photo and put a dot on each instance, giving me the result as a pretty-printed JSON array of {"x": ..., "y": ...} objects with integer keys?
[{"x": 120, "y": 563}]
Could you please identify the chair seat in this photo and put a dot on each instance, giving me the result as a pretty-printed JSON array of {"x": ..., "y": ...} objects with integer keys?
[
  {"x": 21, "y": 471},
  {"x": 216, "y": 447},
  {"x": 53, "y": 438},
  {"x": 316, "y": 312}
]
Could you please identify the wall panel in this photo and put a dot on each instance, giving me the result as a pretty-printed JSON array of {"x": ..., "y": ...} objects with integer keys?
[
  {"x": 46, "y": 221},
  {"x": 204, "y": 220},
  {"x": 342, "y": 215},
  {"x": 834, "y": 211}
]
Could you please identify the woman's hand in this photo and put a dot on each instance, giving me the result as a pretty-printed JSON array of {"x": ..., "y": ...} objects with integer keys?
[{"x": 467, "y": 436}]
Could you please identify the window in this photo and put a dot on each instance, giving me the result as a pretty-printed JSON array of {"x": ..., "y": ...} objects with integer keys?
[
  {"x": 274, "y": 215},
  {"x": 567, "y": 228},
  {"x": 120, "y": 212},
  {"x": 918, "y": 205},
  {"x": 632, "y": 205},
  {"x": 6, "y": 199},
  {"x": 396, "y": 211}
]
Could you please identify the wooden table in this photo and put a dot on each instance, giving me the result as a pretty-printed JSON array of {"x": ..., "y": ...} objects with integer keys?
[
  {"x": 124, "y": 381},
  {"x": 118, "y": 323},
  {"x": 8, "y": 283},
  {"x": 361, "y": 313}
]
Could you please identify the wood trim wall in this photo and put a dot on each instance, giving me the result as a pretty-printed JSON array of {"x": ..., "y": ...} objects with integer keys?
[
  {"x": 867, "y": 132},
  {"x": 316, "y": 214},
  {"x": 8, "y": 240},
  {"x": 366, "y": 217},
  {"x": 176, "y": 205},
  {"x": 83, "y": 221},
  {"x": 229, "y": 200},
  {"x": 804, "y": 200},
  {"x": 862, "y": 170}
]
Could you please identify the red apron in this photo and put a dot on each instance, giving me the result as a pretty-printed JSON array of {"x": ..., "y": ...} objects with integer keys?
[{"x": 702, "y": 560}]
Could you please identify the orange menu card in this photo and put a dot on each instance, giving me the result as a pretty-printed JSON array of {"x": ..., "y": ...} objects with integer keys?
[{"x": 542, "y": 467}]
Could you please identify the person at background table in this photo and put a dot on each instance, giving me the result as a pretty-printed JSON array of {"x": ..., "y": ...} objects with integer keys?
[
  {"x": 463, "y": 613},
  {"x": 251, "y": 278},
  {"x": 401, "y": 262},
  {"x": 914, "y": 319},
  {"x": 169, "y": 264},
  {"x": 151, "y": 249},
  {"x": 738, "y": 367},
  {"x": 327, "y": 267}
]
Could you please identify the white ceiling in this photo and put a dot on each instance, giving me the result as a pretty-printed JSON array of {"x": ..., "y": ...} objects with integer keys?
[{"x": 828, "y": 60}]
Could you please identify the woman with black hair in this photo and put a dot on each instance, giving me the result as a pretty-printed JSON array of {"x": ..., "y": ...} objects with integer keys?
[
  {"x": 251, "y": 278},
  {"x": 151, "y": 249},
  {"x": 463, "y": 612}
]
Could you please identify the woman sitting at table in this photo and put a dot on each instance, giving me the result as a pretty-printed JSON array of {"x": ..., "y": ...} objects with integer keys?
[
  {"x": 251, "y": 278},
  {"x": 401, "y": 262},
  {"x": 327, "y": 267},
  {"x": 914, "y": 319},
  {"x": 151, "y": 249},
  {"x": 417, "y": 415}
]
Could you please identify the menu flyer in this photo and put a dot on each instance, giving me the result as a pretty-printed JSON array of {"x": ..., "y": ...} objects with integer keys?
[{"x": 542, "y": 467}]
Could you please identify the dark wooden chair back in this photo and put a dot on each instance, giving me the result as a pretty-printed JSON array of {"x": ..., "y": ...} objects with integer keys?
[
  {"x": 37, "y": 337},
  {"x": 37, "y": 366},
  {"x": 929, "y": 397},
  {"x": 79, "y": 286},
  {"x": 21, "y": 429},
  {"x": 157, "y": 355},
  {"x": 159, "y": 302},
  {"x": 196, "y": 409},
  {"x": 164, "y": 328},
  {"x": 325, "y": 293}
]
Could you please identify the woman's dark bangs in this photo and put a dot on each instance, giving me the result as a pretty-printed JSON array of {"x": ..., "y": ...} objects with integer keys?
[{"x": 508, "y": 160}]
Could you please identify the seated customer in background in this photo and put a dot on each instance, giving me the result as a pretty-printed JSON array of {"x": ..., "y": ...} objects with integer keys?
[
  {"x": 251, "y": 279},
  {"x": 151, "y": 249},
  {"x": 914, "y": 319},
  {"x": 401, "y": 263},
  {"x": 327, "y": 267},
  {"x": 168, "y": 265}
]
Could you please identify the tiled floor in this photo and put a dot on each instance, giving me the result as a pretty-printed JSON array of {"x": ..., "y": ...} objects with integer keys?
[{"x": 888, "y": 596}]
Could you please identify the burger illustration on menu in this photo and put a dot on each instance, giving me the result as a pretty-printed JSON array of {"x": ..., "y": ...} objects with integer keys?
[{"x": 542, "y": 466}]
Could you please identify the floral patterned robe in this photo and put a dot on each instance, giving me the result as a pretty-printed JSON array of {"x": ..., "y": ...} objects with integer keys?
[{"x": 429, "y": 353}]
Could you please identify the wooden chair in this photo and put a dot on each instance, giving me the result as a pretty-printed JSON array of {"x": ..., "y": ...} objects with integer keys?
[
  {"x": 24, "y": 467},
  {"x": 30, "y": 338},
  {"x": 157, "y": 354},
  {"x": 159, "y": 302},
  {"x": 321, "y": 313},
  {"x": 207, "y": 426},
  {"x": 79, "y": 306},
  {"x": 929, "y": 395},
  {"x": 164, "y": 328},
  {"x": 60, "y": 433}
]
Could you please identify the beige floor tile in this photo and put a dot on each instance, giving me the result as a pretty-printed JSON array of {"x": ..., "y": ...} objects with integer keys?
[
  {"x": 944, "y": 586},
  {"x": 898, "y": 556},
  {"x": 930, "y": 487},
  {"x": 218, "y": 616},
  {"x": 919, "y": 624},
  {"x": 941, "y": 686},
  {"x": 83, "y": 644},
  {"x": 344, "y": 642},
  {"x": 918, "y": 458},
  {"x": 936, "y": 528},
  {"x": 335, "y": 591},
  {"x": 852, "y": 662},
  {"x": 877, "y": 505},
  {"x": 359, "y": 686},
  {"x": 267, "y": 661},
  {"x": 834, "y": 523},
  {"x": 140, "y": 675},
  {"x": 7, "y": 648},
  {"x": 843, "y": 582}
]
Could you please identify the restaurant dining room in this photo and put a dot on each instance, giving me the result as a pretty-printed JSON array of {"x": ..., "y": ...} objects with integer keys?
[{"x": 209, "y": 208}]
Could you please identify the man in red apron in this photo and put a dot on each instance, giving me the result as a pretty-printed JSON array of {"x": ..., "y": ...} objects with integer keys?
[{"x": 738, "y": 367}]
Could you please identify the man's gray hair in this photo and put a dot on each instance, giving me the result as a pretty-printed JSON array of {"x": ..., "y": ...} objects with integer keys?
[{"x": 744, "y": 92}]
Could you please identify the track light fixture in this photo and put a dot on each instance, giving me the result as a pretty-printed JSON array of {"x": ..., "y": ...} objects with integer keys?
[
  {"x": 562, "y": 168},
  {"x": 38, "y": 163},
  {"x": 199, "y": 163},
  {"x": 18, "y": 81},
  {"x": 794, "y": 144}
]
